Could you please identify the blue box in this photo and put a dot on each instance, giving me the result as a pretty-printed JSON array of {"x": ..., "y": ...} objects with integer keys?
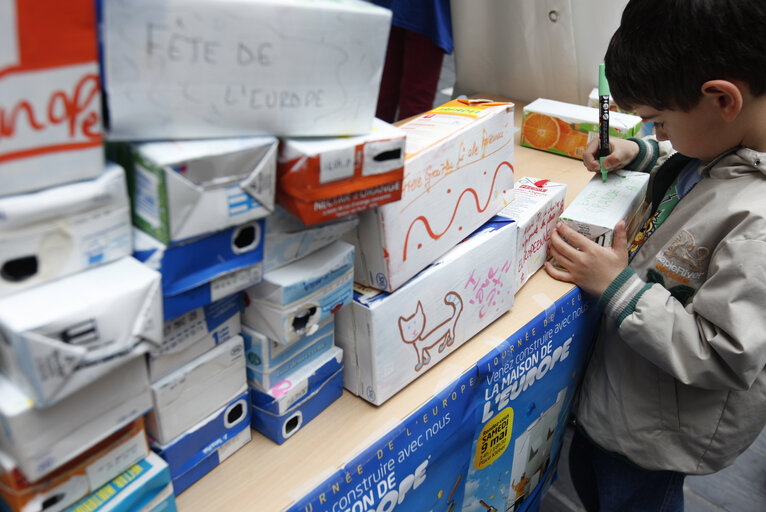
[
  {"x": 201, "y": 270},
  {"x": 293, "y": 300},
  {"x": 284, "y": 409},
  {"x": 145, "y": 486},
  {"x": 195, "y": 453},
  {"x": 268, "y": 362}
]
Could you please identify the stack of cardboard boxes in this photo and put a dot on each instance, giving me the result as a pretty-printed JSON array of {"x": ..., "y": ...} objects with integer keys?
[{"x": 77, "y": 312}]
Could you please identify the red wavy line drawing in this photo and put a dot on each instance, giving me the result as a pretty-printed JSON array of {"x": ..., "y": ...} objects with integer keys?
[{"x": 479, "y": 209}]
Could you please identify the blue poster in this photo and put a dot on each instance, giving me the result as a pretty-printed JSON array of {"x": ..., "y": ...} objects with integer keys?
[{"x": 487, "y": 443}]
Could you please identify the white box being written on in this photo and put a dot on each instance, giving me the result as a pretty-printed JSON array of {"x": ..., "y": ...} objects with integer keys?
[
  {"x": 50, "y": 95},
  {"x": 598, "y": 208},
  {"x": 202, "y": 68},
  {"x": 536, "y": 207},
  {"x": 458, "y": 173},
  {"x": 60, "y": 336},
  {"x": 62, "y": 230},
  {"x": 190, "y": 188},
  {"x": 389, "y": 340}
]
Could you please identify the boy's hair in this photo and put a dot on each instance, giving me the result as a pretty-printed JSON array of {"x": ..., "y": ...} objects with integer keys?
[{"x": 664, "y": 50}]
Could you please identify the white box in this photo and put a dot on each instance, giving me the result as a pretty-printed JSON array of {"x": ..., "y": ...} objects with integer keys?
[
  {"x": 50, "y": 96},
  {"x": 536, "y": 207},
  {"x": 205, "y": 68},
  {"x": 80, "y": 477},
  {"x": 58, "y": 337},
  {"x": 195, "y": 390},
  {"x": 191, "y": 335},
  {"x": 63, "y": 230},
  {"x": 325, "y": 178},
  {"x": 458, "y": 173},
  {"x": 292, "y": 301},
  {"x": 41, "y": 440},
  {"x": 186, "y": 189},
  {"x": 390, "y": 339},
  {"x": 288, "y": 239},
  {"x": 269, "y": 362},
  {"x": 601, "y": 205}
]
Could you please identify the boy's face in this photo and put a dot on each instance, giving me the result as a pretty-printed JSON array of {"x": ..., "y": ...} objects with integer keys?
[{"x": 697, "y": 133}]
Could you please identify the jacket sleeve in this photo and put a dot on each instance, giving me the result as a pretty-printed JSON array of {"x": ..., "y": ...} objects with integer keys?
[
  {"x": 651, "y": 154},
  {"x": 716, "y": 341}
]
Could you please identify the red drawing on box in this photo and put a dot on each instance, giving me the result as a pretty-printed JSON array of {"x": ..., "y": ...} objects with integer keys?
[
  {"x": 467, "y": 192},
  {"x": 412, "y": 330},
  {"x": 486, "y": 289}
]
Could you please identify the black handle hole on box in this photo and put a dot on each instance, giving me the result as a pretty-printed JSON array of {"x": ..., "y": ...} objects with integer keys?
[
  {"x": 301, "y": 320},
  {"x": 392, "y": 154},
  {"x": 19, "y": 269},
  {"x": 292, "y": 424},
  {"x": 245, "y": 237},
  {"x": 235, "y": 413},
  {"x": 52, "y": 500}
]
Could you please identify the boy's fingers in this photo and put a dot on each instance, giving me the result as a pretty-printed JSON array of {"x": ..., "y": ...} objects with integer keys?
[
  {"x": 557, "y": 273},
  {"x": 620, "y": 236},
  {"x": 574, "y": 238}
]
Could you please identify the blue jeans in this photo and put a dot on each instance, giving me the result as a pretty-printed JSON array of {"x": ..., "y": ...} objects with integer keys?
[{"x": 606, "y": 482}]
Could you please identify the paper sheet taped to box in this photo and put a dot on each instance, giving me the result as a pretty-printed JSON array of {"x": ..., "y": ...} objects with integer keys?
[{"x": 200, "y": 68}]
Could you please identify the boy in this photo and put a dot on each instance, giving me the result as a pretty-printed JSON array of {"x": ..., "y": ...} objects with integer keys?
[{"x": 676, "y": 384}]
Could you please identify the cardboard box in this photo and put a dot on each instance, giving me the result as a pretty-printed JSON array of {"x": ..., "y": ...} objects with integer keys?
[
  {"x": 597, "y": 209},
  {"x": 389, "y": 340},
  {"x": 191, "y": 335},
  {"x": 76, "y": 479},
  {"x": 58, "y": 337},
  {"x": 269, "y": 362},
  {"x": 145, "y": 486},
  {"x": 185, "y": 189},
  {"x": 566, "y": 128},
  {"x": 321, "y": 179},
  {"x": 202, "y": 270},
  {"x": 288, "y": 239},
  {"x": 41, "y": 440},
  {"x": 218, "y": 69},
  {"x": 283, "y": 410},
  {"x": 536, "y": 207},
  {"x": 63, "y": 230},
  {"x": 458, "y": 173},
  {"x": 50, "y": 94},
  {"x": 294, "y": 300},
  {"x": 195, "y": 390},
  {"x": 197, "y": 451}
]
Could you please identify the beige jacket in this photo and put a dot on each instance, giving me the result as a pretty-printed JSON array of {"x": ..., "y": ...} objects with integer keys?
[{"x": 677, "y": 379}]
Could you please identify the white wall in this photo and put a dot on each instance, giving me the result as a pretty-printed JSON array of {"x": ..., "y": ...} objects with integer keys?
[{"x": 527, "y": 49}]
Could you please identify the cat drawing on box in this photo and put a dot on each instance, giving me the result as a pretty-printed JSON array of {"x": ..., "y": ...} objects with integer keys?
[{"x": 413, "y": 330}]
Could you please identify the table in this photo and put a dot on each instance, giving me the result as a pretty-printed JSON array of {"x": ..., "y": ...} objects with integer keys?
[{"x": 264, "y": 476}]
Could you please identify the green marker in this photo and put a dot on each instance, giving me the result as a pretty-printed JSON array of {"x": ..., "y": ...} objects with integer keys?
[{"x": 603, "y": 118}]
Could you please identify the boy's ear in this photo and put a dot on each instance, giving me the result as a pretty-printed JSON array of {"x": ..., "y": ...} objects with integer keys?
[{"x": 724, "y": 96}]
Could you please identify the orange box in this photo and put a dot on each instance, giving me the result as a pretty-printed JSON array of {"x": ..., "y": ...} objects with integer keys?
[
  {"x": 50, "y": 94},
  {"x": 79, "y": 477},
  {"x": 321, "y": 179}
]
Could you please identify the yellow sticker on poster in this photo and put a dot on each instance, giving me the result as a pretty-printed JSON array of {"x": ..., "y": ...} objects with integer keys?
[{"x": 494, "y": 439}]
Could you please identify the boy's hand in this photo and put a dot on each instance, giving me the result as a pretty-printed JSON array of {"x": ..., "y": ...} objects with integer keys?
[
  {"x": 587, "y": 264},
  {"x": 623, "y": 152}
]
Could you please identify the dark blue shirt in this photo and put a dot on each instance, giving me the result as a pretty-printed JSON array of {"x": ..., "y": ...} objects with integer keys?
[{"x": 431, "y": 18}]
